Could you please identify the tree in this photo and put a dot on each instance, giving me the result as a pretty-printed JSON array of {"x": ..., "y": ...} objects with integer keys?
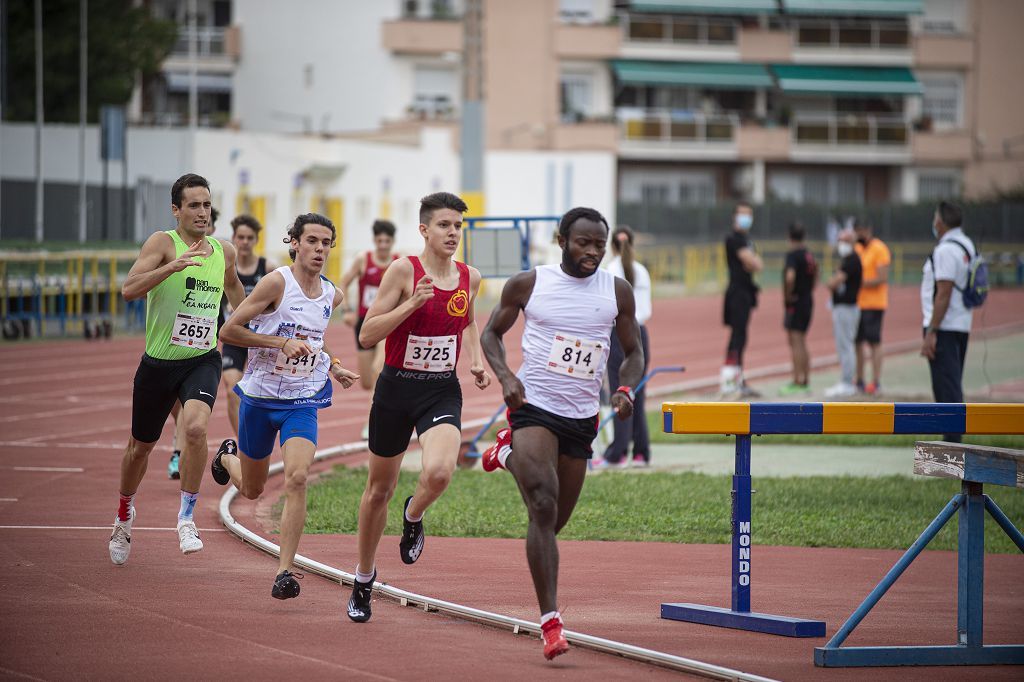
[{"x": 124, "y": 41}]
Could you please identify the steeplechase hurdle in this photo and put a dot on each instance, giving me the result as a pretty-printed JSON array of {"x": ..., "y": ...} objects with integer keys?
[{"x": 745, "y": 419}]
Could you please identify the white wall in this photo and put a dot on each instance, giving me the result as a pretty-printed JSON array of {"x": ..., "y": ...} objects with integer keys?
[
  {"x": 532, "y": 183},
  {"x": 370, "y": 171},
  {"x": 340, "y": 40}
]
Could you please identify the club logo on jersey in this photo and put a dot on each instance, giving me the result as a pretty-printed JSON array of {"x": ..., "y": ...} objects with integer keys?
[
  {"x": 458, "y": 304},
  {"x": 327, "y": 312}
]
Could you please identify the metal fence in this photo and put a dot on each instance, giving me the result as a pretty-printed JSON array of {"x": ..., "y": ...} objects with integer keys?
[{"x": 988, "y": 223}]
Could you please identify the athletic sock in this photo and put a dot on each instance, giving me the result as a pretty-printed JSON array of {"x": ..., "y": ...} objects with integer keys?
[
  {"x": 124, "y": 507},
  {"x": 188, "y": 505},
  {"x": 549, "y": 616},
  {"x": 364, "y": 577},
  {"x": 503, "y": 454},
  {"x": 411, "y": 519}
]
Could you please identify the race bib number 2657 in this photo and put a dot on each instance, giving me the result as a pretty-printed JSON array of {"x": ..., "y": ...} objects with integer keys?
[{"x": 193, "y": 331}]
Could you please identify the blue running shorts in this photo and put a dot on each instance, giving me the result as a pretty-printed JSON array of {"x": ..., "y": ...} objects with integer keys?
[{"x": 258, "y": 425}]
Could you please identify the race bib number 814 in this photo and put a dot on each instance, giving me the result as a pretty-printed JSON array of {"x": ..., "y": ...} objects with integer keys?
[{"x": 575, "y": 357}]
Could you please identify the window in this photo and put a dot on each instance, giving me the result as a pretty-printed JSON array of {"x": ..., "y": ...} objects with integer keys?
[
  {"x": 697, "y": 192},
  {"x": 935, "y": 186},
  {"x": 576, "y": 11},
  {"x": 944, "y": 16},
  {"x": 435, "y": 91},
  {"x": 942, "y": 98},
  {"x": 654, "y": 194},
  {"x": 577, "y": 96},
  {"x": 818, "y": 188}
]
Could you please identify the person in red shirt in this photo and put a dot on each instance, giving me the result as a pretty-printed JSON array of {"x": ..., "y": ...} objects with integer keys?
[
  {"x": 424, "y": 305},
  {"x": 368, "y": 269}
]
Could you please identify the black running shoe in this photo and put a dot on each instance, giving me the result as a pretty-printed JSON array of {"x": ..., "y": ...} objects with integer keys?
[
  {"x": 220, "y": 474},
  {"x": 411, "y": 544},
  {"x": 285, "y": 585},
  {"x": 359, "y": 602}
]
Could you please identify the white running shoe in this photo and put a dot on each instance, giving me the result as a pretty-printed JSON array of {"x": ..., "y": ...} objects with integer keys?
[
  {"x": 188, "y": 537},
  {"x": 121, "y": 539},
  {"x": 841, "y": 390}
]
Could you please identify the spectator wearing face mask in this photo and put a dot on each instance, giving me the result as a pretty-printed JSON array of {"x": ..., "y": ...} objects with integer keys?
[
  {"x": 740, "y": 299},
  {"x": 845, "y": 286}
]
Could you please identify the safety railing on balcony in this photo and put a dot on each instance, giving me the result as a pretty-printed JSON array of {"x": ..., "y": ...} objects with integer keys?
[
  {"x": 851, "y": 34},
  {"x": 853, "y": 130},
  {"x": 692, "y": 30},
  {"x": 668, "y": 125},
  {"x": 210, "y": 42}
]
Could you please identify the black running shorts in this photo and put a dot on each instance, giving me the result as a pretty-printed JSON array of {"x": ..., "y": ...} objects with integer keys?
[
  {"x": 574, "y": 435},
  {"x": 234, "y": 357},
  {"x": 158, "y": 383},
  {"x": 798, "y": 315},
  {"x": 870, "y": 327},
  {"x": 405, "y": 400}
]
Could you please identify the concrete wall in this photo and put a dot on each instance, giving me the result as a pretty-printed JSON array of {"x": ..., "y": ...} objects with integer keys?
[{"x": 323, "y": 60}]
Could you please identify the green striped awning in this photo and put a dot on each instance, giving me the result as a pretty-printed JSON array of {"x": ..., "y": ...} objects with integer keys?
[
  {"x": 720, "y": 76},
  {"x": 885, "y": 8},
  {"x": 846, "y": 80},
  {"x": 706, "y": 6}
]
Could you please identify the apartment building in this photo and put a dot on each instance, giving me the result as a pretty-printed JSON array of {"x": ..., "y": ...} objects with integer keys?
[
  {"x": 674, "y": 102},
  {"x": 701, "y": 101}
]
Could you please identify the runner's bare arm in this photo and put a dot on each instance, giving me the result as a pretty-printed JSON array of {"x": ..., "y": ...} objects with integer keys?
[
  {"x": 513, "y": 299},
  {"x": 628, "y": 331},
  {"x": 471, "y": 338},
  {"x": 156, "y": 262},
  {"x": 232, "y": 285},
  {"x": 354, "y": 271},
  {"x": 266, "y": 296},
  {"x": 396, "y": 300}
]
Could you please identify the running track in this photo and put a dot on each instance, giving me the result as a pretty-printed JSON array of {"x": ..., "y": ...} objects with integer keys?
[{"x": 67, "y": 612}]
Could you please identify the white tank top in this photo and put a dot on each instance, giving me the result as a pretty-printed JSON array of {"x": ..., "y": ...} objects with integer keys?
[
  {"x": 268, "y": 373},
  {"x": 565, "y": 340}
]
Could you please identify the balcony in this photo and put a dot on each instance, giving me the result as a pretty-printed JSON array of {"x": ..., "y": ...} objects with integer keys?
[
  {"x": 587, "y": 41},
  {"x": 431, "y": 108},
  {"x": 838, "y": 40},
  {"x": 757, "y": 142},
  {"x": 669, "y": 133},
  {"x": 953, "y": 146},
  {"x": 422, "y": 36},
  {"x": 646, "y": 36},
  {"x": 852, "y": 138},
  {"x": 211, "y": 42}
]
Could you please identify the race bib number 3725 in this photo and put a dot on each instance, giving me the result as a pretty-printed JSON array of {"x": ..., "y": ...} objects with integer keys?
[
  {"x": 575, "y": 357},
  {"x": 430, "y": 353},
  {"x": 193, "y": 331}
]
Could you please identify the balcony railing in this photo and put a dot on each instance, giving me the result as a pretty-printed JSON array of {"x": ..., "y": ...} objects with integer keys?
[
  {"x": 210, "y": 42},
  {"x": 667, "y": 125},
  {"x": 846, "y": 34},
  {"x": 839, "y": 130},
  {"x": 686, "y": 30}
]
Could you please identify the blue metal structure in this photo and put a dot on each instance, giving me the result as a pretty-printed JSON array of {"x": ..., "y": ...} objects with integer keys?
[{"x": 474, "y": 227}]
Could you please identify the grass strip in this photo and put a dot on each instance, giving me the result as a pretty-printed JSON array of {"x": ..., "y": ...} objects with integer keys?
[{"x": 828, "y": 511}]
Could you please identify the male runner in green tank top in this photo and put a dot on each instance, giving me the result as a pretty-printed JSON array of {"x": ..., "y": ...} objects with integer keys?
[{"x": 182, "y": 273}]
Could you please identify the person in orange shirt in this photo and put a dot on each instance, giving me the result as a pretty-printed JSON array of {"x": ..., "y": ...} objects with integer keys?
[{"x": 872, "y": 300}]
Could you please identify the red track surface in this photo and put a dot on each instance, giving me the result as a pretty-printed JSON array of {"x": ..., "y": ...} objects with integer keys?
[{"x": 67, "y": 612}]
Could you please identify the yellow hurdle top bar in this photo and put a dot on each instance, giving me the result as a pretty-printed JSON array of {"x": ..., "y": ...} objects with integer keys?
[{"x": 913, "y": 418}]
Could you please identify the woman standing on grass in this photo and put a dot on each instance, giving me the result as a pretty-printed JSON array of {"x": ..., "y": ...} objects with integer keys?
[{"x": 632, "y": 428}]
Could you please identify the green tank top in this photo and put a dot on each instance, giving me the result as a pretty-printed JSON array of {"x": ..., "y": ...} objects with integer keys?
[{"x": 181, "y": 311}]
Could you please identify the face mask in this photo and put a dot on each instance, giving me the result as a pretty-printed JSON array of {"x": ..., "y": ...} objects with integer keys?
[
  {"x": 844, "y": 249},
  {"x": 744, "y": 221}
]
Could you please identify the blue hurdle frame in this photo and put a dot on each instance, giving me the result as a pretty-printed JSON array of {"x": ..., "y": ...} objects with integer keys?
[
  {"x": 972, "y": 504},
  {"x": 520, "y": 224},
  {"x": 740, "y": 616}
]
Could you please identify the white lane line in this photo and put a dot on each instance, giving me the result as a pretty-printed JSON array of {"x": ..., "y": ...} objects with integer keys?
[
  {"x": 8, "y": 499},
  {"x": 70, "y": 446},
  {"x": 61, "y": 377},
  {"x": 66, "y": 470},
  {"x": 96, "y": 407},
  {"x": 134, "y": 528}
]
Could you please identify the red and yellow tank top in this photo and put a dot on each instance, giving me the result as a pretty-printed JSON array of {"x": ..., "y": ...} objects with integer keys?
[
  {"x": 430, "y": 339},
  {"x": 369, "y": 282}
]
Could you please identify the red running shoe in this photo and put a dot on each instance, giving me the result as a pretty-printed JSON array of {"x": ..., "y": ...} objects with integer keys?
[
  {"x": 489, "y": 459},
  {"x": 555, "y": 643}
]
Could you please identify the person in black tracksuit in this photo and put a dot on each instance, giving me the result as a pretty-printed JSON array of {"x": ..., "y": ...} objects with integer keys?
[
  {"x": 798, "y": 279},
  {"x": 740, "y": 297}
]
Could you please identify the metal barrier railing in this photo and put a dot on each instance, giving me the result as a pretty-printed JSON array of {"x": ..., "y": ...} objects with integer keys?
[{"x": 69, "y": 292}]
